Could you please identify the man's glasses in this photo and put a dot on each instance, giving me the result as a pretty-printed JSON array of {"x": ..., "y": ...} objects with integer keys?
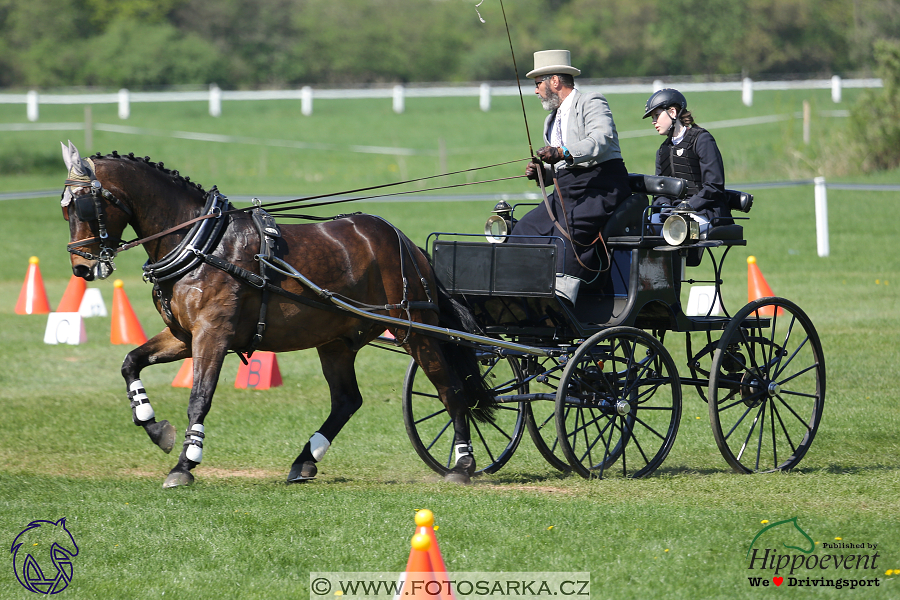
[{"x": 538, "y": 82}]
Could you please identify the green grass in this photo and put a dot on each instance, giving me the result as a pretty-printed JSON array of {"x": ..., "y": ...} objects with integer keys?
[{"x": 68, "y": 448}]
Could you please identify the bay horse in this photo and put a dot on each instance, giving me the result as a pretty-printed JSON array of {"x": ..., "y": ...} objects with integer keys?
[{"x": 212, "y": 302}]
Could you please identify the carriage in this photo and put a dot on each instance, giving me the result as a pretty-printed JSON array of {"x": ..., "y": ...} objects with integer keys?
[
  {"x": 498, "y": 347},
  {"x": 591, "y": 379}
]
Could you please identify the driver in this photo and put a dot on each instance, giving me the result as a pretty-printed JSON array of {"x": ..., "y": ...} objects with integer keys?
[
  {"x": 689, "y": 152},
  {"x": 584, "y": 157}
]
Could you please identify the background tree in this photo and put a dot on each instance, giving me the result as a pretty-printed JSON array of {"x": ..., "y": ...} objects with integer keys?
[{"x": 876, "y": 116}]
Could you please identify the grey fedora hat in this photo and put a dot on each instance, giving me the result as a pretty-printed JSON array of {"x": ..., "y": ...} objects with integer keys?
[{"x": 552, "y": 62}]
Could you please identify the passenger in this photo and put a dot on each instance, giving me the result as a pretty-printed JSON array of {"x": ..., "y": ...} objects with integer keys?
[
  {"x": 582, "y": 148},
  {"x": 689, "y": 152}
]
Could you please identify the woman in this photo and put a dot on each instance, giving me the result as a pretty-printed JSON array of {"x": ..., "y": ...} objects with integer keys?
[{"x": 689, "y": 152}]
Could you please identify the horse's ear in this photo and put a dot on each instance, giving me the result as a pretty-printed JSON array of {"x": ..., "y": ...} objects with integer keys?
[
  {"x": 72, "y": 158},
  {"x": 75, "y": 157},
  {"x": 66, "y": 157}
]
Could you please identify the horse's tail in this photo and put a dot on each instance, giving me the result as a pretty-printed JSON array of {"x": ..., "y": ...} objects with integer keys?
[{"x": 463, "y": 359}]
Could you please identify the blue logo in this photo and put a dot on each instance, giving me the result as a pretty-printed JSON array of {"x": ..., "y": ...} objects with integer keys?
[{"x": 42, "y": 556}]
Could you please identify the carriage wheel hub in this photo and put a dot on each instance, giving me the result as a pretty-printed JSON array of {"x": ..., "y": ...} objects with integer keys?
[
  {"x": 774, "y": 389},
  {"x": 623, "y": 407}
]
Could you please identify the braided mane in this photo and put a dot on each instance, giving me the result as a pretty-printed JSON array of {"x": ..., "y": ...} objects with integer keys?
[{"x": 158, "y": 166}]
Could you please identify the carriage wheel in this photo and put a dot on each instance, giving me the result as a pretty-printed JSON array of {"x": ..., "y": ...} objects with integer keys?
[
  {"x": 767, "y": 387},
  {"x": 431, "y": 432},
  {"x": 541, "y": 414},
  {"x": 618, "y": 405}
]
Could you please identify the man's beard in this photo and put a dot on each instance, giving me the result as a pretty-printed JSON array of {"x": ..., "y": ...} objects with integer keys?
[{"x": 551, "y": 102}]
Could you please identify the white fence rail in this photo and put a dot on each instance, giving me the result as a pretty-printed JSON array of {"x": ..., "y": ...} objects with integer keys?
[{"x": 398, "y": 93}]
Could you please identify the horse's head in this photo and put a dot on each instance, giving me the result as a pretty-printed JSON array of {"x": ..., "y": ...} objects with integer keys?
[{"x": 96, "y": 217}]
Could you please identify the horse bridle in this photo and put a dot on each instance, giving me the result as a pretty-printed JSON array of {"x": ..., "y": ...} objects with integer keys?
[{"x": 89, "y": 208}]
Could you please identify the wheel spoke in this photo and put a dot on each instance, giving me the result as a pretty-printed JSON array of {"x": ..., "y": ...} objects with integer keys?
[
  {"x": 783, "y": 428},
  {"x": 793, "y": 412},
  {"x": 749, "y": 433},
  {"x": 746, "y": 412},
  {"x": 798, "y": 374}
]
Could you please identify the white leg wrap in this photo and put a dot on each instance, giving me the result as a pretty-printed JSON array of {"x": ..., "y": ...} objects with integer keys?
[
  {"x": 318, "y": 445},
  {"x": 194, "y": 451},
  {"x": 139, "y": 401},
  {"x": 463, "y": 450}
]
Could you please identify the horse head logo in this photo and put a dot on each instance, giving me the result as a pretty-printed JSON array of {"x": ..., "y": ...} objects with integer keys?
[
  {"x": 788, "y": 532},
  {"x": 52, "y": 544}
]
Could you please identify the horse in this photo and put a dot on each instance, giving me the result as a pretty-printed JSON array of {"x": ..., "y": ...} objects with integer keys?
[{"x": 213, "y": 298}]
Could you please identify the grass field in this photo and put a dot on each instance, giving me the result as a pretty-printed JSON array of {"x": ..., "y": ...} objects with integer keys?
[{"x": 68, "y": 449}]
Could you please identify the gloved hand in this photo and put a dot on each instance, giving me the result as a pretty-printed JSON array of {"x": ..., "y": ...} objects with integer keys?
[
  {"x": 531, "y": 172},
  {"x": 550, "y": 155}
]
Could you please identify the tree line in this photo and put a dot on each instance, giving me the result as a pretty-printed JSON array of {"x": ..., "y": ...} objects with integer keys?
[{"x": 141, "y": 44}]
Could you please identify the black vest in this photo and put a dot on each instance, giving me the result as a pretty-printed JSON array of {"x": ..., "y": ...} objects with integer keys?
[{"x": 681, "y": 160}]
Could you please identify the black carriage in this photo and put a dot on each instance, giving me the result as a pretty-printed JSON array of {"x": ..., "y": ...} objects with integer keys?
[{"x": 591, "y": 379}]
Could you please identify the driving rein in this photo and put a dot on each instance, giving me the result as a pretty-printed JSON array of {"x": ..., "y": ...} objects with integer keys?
[{"x": 198, "y": 245}]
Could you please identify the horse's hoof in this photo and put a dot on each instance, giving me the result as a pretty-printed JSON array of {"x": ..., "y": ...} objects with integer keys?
[
  {"x": 460, "y": 477},
  {"x": 162, "y": 434},
  {"x": 178, "y": 479},
  {"x": 300, "y": 472}
]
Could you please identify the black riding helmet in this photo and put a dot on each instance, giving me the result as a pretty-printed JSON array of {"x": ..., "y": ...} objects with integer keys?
[{"x": 664, "y": 99}]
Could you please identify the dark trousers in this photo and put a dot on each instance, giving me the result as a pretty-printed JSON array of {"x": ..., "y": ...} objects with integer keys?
[{"x": 589, "y": 196}]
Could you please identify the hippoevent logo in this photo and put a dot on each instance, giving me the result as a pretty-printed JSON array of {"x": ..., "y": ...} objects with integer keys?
[
  {"x": 42, "y": 556},
  {"x": 843, "y": 565}
]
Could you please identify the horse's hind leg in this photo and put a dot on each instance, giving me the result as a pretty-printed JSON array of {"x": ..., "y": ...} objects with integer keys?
[
  {"x": 433, "y": 361},
  {"x": 162, "y": 348},
  {"x": 338, "y": 367}
]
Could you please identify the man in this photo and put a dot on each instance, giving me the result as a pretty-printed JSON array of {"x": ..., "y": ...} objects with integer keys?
[{"x": 584, "y": 157}]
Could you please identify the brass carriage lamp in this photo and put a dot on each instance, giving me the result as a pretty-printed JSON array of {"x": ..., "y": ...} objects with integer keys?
[
  {"x": 680, "y": 228},
  {"x": 499, "y": 224}
]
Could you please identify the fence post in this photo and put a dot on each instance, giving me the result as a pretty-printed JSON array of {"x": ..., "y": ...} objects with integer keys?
[
  {"x": 836, "y": 89},
  {"x": 657, "y": 85},
  {"x": 124, "y": 106},
  {"x": 398, "y": 99},
  {"x": 306, "y": 100},
  {"x": 88, "y": 128},
  {"x": 747, "y": 92},
  {"x": 821, "y": 195},
  {"x": 484, "y": 100},
  {"x": 215, "y": 101},
  {"x": 31, "y": 105},
  {"x": 807, "y": 117}
]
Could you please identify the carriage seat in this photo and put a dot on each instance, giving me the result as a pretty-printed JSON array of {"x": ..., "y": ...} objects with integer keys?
[
  {"x": 739, "y": 201},
  {"x": 627, "y": 218}
]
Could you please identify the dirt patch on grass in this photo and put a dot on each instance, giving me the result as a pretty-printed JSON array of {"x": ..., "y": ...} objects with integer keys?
[{"x": 541, "y": 489}]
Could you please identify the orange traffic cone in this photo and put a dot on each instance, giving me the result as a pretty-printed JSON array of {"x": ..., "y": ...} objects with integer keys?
[
  {"x": 33, "y": 297},
  {"x": 71, "y": 300},
  {"x": 758, "y": 288},
  {"x": 260, "y": 373},
  {"x": 417, "y": 581},
  {"x": 425, "y": 525},
  {"x": 185, "y": 377},
  {"x": 126, "y": 329}
]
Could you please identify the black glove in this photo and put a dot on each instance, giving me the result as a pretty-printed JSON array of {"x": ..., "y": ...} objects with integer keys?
[
  {"x": 550, "y": 155},
  {"x": 531, "y": 172}
]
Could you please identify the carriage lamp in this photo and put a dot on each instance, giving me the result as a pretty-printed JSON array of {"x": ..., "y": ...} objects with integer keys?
[
  {"x": 499, "y": 224},
  {"x": 680, "y": 228}
]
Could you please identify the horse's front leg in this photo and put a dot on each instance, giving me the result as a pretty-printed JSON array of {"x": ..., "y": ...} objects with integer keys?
[
  {"x": 162, "y": 348},
  {"x": 209, "y": 353}
]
